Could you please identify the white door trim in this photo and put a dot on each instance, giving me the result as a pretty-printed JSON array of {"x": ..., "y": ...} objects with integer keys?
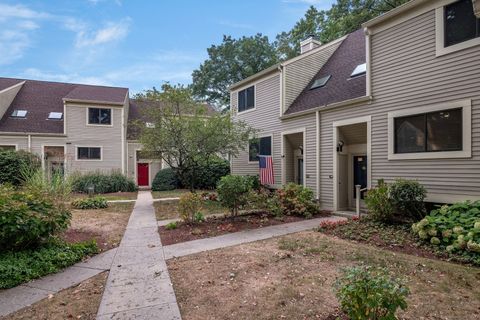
[{"x": 282, "y": 155}]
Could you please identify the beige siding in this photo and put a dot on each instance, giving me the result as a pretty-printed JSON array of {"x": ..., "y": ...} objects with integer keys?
[
  {"x": 7, "y": 96},
  {"x": 266, "y": 118},
  {"x": 154, "y": 164},
  {"x": 406, "y": 74},
  {"x": 300, "y": 72},
  {"x": 20, "y": 141},
  {"x": 106, "y": 137}
]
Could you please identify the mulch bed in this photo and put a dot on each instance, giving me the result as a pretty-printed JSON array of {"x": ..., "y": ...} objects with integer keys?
[{"x": 217, "y": 226}]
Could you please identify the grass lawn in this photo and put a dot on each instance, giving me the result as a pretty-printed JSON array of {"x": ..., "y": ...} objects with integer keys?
[
  {"x": 106, "y": 226},
  {"x": 169, "y": 209},
  {"x": 291, "y": 277},
  {"x": 109, "y": 196},
  {"x": 173, "y": 193},
  {"x": 78, "y": 302}
]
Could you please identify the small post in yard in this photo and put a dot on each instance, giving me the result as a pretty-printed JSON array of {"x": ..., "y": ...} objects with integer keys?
[
  {"x": 91, "y": 190},
  {"x": 357, "y": 195}
]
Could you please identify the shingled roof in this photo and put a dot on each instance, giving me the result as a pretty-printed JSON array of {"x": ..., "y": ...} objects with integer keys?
[
  {"x": 39, "y": 98},
  {"x": 340, "y": 87}
]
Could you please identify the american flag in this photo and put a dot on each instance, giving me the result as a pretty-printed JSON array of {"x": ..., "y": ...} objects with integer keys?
[{"x": 266, "y": 170}]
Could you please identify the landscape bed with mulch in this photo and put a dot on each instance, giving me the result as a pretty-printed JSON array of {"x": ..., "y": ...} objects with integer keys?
[
  {"x": 393, "y": 237},
  {"x": 291, "y": 277},
  {"x": 216, "y": 226}
]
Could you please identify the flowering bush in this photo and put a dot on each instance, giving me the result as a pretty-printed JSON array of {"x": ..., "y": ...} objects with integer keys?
[
  {"x": 298, "y": 200},
  {"x": 330, "y": 225},
  {"x": 455, "y": 228},
  {"x": 367, "y": 293}
]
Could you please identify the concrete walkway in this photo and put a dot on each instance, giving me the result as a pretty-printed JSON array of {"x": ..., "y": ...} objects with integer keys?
[
  {"x": 138, "y": 285},
  {"x": 14, "y": 299},
  {"x": 232, "y": 239}
]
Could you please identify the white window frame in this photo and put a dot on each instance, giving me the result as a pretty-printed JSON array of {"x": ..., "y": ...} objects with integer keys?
[
  {"x": 76, "y": 153},
  {"x": 466, "y": 151},
  {"x": 265, "y": 135},
  {"x": 10, "y": 145},
  {"x": 99, "y": 124},
  {"x": 440, "y": 33},
  {"x": 254, "y": 98}
]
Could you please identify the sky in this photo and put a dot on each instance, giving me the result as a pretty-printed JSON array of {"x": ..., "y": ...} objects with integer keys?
[{"x": 130, "y": 43}]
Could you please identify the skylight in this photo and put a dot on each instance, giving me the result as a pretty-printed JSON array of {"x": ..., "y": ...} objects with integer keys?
[
  {"x": 360, "y": 69},
  {"x": 19, "y": 113},
  {"x": 320, "y": 82},
  {"x": 55, "y": 115}
]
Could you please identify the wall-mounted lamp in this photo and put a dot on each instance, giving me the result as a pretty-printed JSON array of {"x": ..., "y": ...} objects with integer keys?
[
  {"x": 340, "y": 145},
  {"x": 476, "y": 7},
  {"x": 301, "y": 149}
]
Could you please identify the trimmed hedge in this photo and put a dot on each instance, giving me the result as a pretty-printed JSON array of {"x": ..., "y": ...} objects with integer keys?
[
  {"x": 103, "y": 183},
  {"x": 165, "y": 179},
  {"x": 90, "y": 203},
  {"x": 14, "y": 164},
  {"x": 209, "y": 174}
]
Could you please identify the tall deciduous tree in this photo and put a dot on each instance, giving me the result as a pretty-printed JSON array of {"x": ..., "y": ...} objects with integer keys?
[
  {"x": 343, "y": 17},
  {"x": 184, "y": 135},
  {"x": 231, "y": 61}
]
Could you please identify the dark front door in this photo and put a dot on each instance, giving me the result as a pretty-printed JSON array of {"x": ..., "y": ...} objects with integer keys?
[
  {"x": 300, "y": 171},
  {"x": 142, "y": 174},
  {"x": 359, "y": 173}
]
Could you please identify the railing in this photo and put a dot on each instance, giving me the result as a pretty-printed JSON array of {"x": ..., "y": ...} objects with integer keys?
[{"x": 358, "y": 192}]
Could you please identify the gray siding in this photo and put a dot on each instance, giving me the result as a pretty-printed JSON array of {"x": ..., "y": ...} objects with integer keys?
[
  {"x": 266, "y": 117},
  {"x": 300, "y": 72},
  {"x": 107, "y": 137},
  {"x": 406, "y": 74}
]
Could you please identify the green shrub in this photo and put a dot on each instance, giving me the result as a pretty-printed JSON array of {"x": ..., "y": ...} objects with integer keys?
[
  {"x": 56, "y": 186},
  {"x": 297, "y": 200},
  {"x": 366, "y": 293},
  {"x": 264, "y": 199},
  {"x": 208, "y": 174},
  {"x": 233, "y": 192},
  {"x": 165, "y": 179},
  {"x": 14, "y": 163},
  {"x": 17, "y": 267},
  {"x": 407, "y": 197},
  {"x": 455, "y": 228},
  {"x": 90, "y": 203},
  {"x": 103, "y": 182},
  {"x": 380, "y": 207},
  {"x": 171, "y": 225},
  {"x": 29, "y": 217},
  {"x": 189, "y": 206}
]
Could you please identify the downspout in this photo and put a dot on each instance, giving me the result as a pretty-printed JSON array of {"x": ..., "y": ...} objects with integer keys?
[
  {"x": 317, "y": 146},
  {"x": 123, "y": 137},
  {"x": 368, "y": 47},
  {"x": 29, "y": 137},
  {"x": 282, "y": 91}
]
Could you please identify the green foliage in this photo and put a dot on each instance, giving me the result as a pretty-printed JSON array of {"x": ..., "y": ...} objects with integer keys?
[
  {"x": 13, "y": 163},
  {"x": 231, "y": 61},
  {"x": 56, "y": 186},
  {"x": 186, "y": 135},
  {"x": 17, "y": 267},
  {"x": 198, "y": 217},
  {"x": 103, "y": 182},
  {"x": 164, "y": 180},
  {"x": 378, "y": 202},
  {"x": 90, "y": 203},
  {"x": 233, "y": 192},
  {"x": 367, "y": 293},
  {"x": 297, "y": 200},
  {"x": 172, "y": 225},
  {"x": 454, "y": 228},
  {"x": 29, "y": 217},
  {"x": 189, "y": 206},
  {"x": 264, "y": 199},
  {"x": 208, "y": 173},
  {"x": 407, "y": 196}
]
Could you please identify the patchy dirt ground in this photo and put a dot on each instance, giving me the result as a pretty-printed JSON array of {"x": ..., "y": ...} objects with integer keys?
[
  {"x": 169, "y": 209},
  {"x": 106, "y": 226},
  {"x": 291, "y": 277},
  {"x": 174, "y": 193},
  {"x": 78, "y": 302},
  {"x": 216, "y": 226},
  {"x": 110, "y": 196}
]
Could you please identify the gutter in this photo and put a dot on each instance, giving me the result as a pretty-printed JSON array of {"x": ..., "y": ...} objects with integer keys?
[
  {"x": 108, "y": 103},
  {"x": 388, "y": 15},
  {"x": 327, "y": 107},
  {"x": 28, "y": 134}
]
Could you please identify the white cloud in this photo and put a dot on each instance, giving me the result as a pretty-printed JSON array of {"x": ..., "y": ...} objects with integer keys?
[
  {"x": 111, "y": 32},
  {"x": 20, "y": 12},
  {"x": 12, "y": 45},
  {"x": 33, "y": 73}
]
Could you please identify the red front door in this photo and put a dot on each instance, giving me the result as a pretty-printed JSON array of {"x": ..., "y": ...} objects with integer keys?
[{"x": 142, "y": 174}]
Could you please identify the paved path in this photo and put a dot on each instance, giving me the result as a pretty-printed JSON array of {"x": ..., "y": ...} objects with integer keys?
[
  {"x": 138, "y": 285},
  {"x": 232, "y": 239},
  {"x": 14, "y": 299}
]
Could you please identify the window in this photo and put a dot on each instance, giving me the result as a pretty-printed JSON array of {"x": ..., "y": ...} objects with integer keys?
[
  {"x": 460, "y": 23},
  {"x": 99, "y": 116},
  {"x": 320, "y": 82},
  {"x": 359, "y": 70},
  {"x": 8, "y": 148},
  {"x": 89, "y": 153},
  {"x": 19, "y": 113},
  {"x": 246, "y": 99},
  {"x": 55, "y": 115},
  {"x": 429, "y": 132},
  {"x": 260, "y": 146}
]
